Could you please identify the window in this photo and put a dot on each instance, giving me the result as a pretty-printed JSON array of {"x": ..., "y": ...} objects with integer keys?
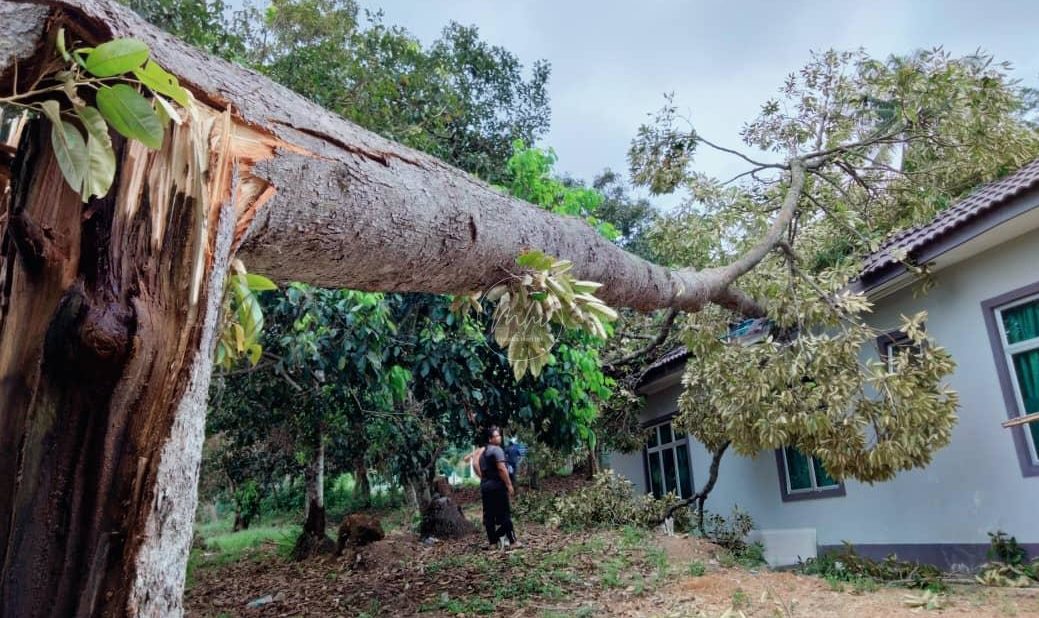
[
  {"x": 668, "y": 468},
  {"x": 1013, "y": 321},
  {"x": 890, "y": 344},
  {"x": 803, "y": 476}
]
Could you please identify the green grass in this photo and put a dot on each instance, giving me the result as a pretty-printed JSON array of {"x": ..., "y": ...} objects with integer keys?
[
  {"x": 633, "y": 537},
  {"x": 580, "y": 612},
  {"x": 658, "y": 558},
  {"x": 611, "y": 572},
  {"x": 463, "y": 605},
  {"x": 222, "y": 547},
  {"x": 697, "y": 568},
  {"x": 739, "y": 598}
]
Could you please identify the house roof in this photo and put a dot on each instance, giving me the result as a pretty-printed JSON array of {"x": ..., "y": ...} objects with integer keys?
[
  {"x": 979, "y": 211},
  {"x": 980, "y": 203},
  {"x": 669, "y": 358},
  {"x": 663, "y": 366}
]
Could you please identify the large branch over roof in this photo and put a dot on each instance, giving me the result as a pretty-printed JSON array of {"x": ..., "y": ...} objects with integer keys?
[{"x": 343, "y": 207}]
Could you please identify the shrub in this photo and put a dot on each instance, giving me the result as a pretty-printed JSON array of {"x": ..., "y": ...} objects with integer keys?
[
  {"x": 1005, "y": 549},
  {"x": 1007, "y": 563},
  {"x": 609, "y": 501},
  {"x": 845, "y": 565},
  {"x": 730, "y": 533},
  {"x": 753, "y": 555},
  {"x": 247, "y": 501}
]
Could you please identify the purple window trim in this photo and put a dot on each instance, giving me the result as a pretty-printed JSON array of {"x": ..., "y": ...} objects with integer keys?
[
  {"x": 830, "y": 492},
  {"x": 1006, "y": 384}
]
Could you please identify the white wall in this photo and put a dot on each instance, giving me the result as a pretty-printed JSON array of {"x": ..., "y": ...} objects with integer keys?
[{"x": 972, "y": 487}]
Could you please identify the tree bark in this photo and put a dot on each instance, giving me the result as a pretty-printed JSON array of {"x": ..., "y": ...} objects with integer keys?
[
  {"x": 362, "y": 484},
  {"x": 104, "y": 370},
  {"x": 592, "y": 461},
  {"x": 347, "y": 208},
  {"x": 712, "y": 479},
  {"x": 313, "y": 539},
  {"x": 108, "y": 310}
]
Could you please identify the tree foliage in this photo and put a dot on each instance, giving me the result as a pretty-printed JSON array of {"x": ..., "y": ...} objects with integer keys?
[{"x": 868, "y": 146}]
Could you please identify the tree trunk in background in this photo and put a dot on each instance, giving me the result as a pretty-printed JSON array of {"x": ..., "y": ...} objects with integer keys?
[
  {"x": 313, "y": 539},
  {"x": 592, "y": 461},
  {"x": 712, "y": 479},
  {"x": 108, "y": 310},
  {"x": 362, "y": 484}
]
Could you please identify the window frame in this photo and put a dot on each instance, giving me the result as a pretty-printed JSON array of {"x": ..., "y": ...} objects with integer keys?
[
  {"x": 1027, "y": 450},
  {"x": 889, "y": 340},
  {"x": 813, "y": 493},
  {"x": 672, "y": 446}
]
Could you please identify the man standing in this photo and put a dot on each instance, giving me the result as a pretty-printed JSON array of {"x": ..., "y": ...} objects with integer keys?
[{"x": 495, "y": 489}]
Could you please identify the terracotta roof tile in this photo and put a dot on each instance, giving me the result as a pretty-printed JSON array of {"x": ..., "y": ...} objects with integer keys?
[
  {"x": 983, "y": 199},
  {"x": 979, "y": 202}
]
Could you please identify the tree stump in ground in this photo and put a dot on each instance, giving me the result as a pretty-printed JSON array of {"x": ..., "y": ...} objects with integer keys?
[
  {"x": 444, "y": 519},
  {"x": 358, "y": 530},
  {"x": 313, "y": 540},
  {"x": 442, "y": 487}
]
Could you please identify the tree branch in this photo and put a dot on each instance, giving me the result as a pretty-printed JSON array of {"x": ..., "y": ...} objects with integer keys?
[
  {"x": 760, "y": 165},
  {"x": 665, "y": 330},
  {"x": 725, "y": 275}
]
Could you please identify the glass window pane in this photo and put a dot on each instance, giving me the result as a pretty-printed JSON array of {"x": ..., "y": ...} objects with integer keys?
[
  {"x": 653, "y": 441},
  {"x": 1026, "y": 369},
  {"x": 665, "y": 433},
  {"x": 656, "y": 478},
  {"x": 684, "y": 482},
  {"x": 1021, "y": 322},
  {"x": 797, "y": 469},
  {"x": 670, "y": 474},
  {"x": 822, "y": 478}
]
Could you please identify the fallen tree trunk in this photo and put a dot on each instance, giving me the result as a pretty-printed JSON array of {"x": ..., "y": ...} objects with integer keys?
[
  {"x": 108, "y": 310},
  {"x": 347, "y": 208}
]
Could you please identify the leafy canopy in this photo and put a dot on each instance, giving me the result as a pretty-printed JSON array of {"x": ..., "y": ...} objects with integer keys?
[{"x": 882, "y": 144}]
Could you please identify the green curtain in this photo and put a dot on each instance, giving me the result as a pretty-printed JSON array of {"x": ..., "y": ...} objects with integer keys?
[
  {"x": 1026, "y": 366},
  {"x": 822, "y": 478},
  {"x": 797, "y": 468},
  {"x": 1022, "y": 322}
]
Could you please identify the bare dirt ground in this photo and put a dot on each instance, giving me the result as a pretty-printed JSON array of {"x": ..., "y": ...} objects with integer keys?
[{"x": 613, "y": 573}]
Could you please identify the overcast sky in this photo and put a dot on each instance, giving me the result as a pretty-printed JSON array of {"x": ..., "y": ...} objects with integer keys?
[{"x": 612, "y": 60}]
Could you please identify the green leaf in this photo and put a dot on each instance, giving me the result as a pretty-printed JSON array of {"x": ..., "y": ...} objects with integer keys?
[
  {"x": 535, "y": 260},
  {"x": 61, "y": 45},
  {"x": 130, "y": 114},
  {"x": 259, "y": 283},
  {"x": 69, "y": 147},
  {"x": 162, "y": 82},
  {"x": 116, "y": 57},
  {"x": 100, "y": 168},
  {"x": 254, "y": 350}
]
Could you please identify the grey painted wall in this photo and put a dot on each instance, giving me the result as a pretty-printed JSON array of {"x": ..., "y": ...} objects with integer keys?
[{"x": 973, "y": 486}]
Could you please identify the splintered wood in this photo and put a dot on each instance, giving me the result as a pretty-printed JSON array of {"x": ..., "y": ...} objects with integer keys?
[{"x": 206, "y": 163}]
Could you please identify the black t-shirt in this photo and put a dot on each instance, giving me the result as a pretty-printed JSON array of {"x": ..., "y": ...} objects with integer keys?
[{"x": 489, "y": 467}]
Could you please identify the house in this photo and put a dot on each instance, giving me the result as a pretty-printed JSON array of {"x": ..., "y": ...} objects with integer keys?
[{"x": 984, "y": 309}]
